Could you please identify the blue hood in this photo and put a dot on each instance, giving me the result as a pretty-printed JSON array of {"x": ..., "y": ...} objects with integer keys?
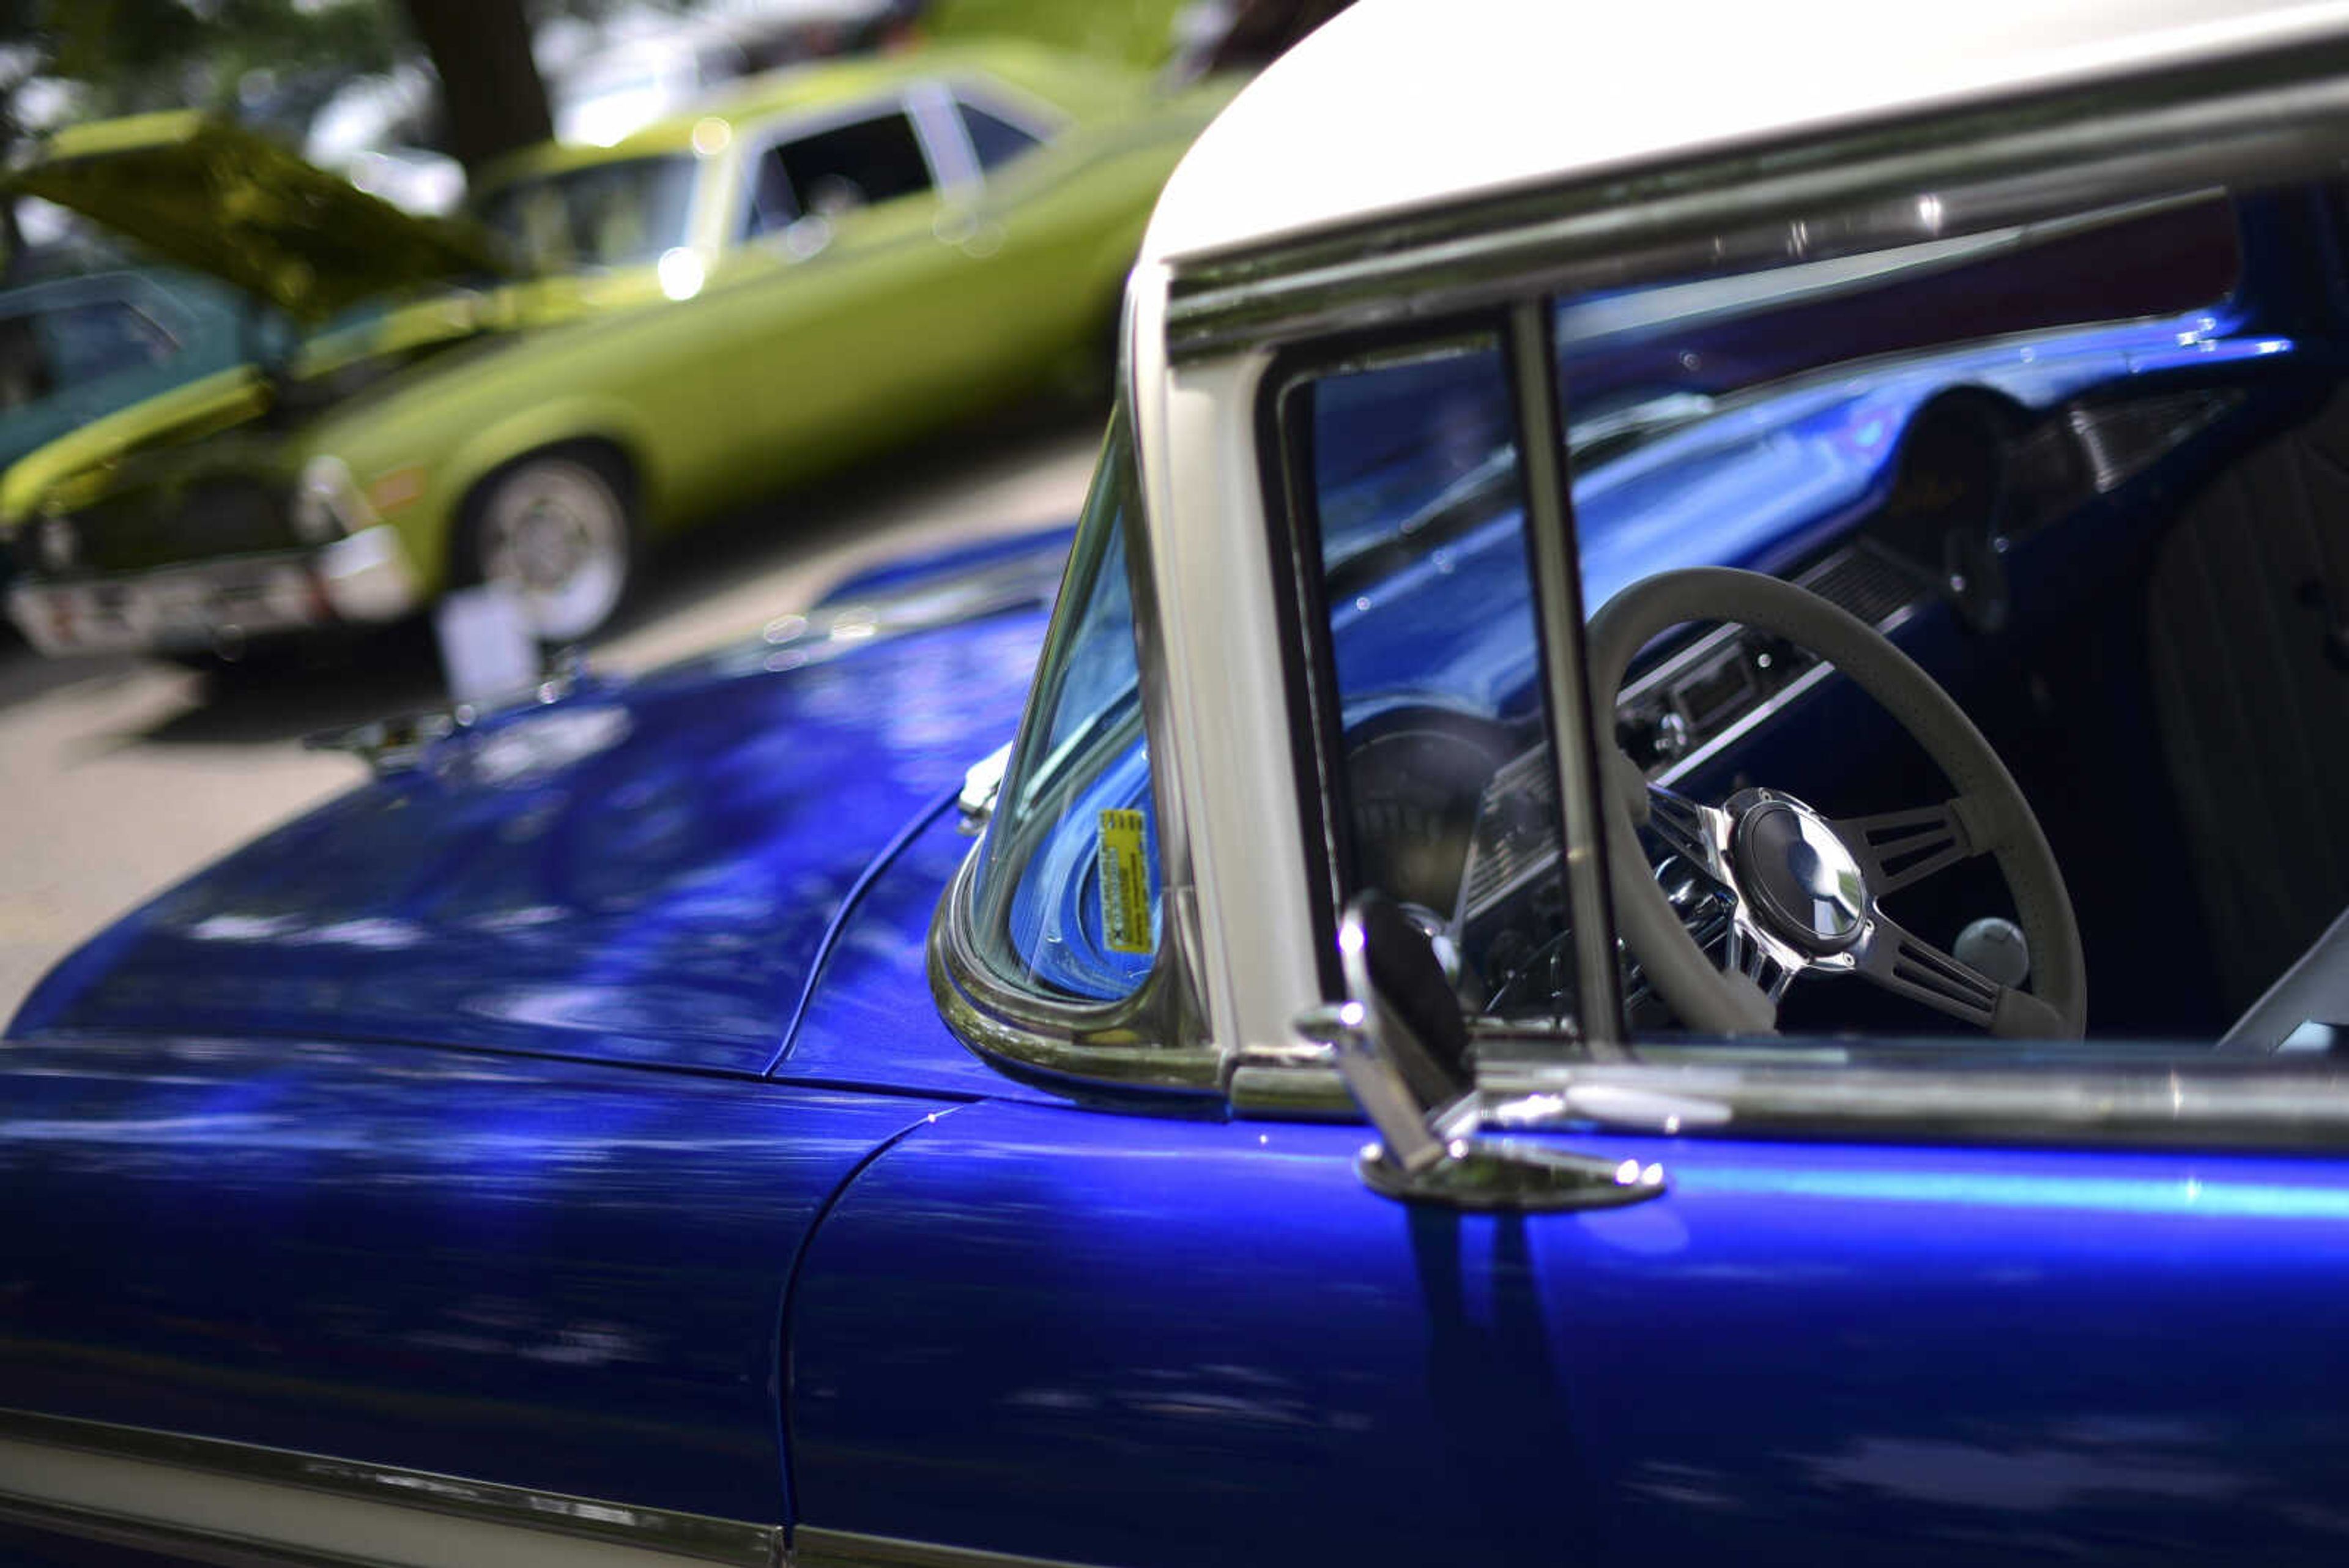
[{"x": 645, "y": 872}]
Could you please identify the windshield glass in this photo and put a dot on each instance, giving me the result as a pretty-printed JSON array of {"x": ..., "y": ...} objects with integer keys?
[
  {"x": 623, "y": 213},
  {"x": 1068, "y": 887}
]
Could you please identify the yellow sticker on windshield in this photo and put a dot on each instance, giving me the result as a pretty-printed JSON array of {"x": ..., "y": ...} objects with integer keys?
[{"x": 1124, "y": 884}]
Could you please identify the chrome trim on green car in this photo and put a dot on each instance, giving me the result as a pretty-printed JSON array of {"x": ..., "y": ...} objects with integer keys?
[{"x": 366, "y": 579}]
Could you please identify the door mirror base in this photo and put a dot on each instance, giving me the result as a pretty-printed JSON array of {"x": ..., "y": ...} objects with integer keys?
[
  {"x": 1407, "y": 1068},
  {"x": 1512, "y": 1176}
]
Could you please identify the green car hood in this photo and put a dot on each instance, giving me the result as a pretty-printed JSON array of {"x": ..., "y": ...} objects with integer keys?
[{"x": 220, "y": 200}]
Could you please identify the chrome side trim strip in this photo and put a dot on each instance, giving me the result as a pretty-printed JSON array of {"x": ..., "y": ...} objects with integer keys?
[
  {"x": 1795, "y": 1090},
  {"x": 95, "y": 1479},
  {"x": 847, "y": 1549}
]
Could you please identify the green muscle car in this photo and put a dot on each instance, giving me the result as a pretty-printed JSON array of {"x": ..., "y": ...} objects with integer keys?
[{"x": 625, "y": 340}]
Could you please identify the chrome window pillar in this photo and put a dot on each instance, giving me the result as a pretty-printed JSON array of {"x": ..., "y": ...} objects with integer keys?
[{"x": 1558, "y": 597}]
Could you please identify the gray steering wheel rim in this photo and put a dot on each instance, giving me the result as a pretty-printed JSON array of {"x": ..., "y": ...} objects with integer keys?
[{"x": 1705, "y": 997}]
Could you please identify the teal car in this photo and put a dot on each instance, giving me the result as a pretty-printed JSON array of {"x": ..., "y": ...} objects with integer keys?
[{"x": 75, "y": 349}]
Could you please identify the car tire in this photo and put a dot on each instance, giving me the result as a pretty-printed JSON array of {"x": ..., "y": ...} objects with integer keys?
[{"x": 559, "y": 529}]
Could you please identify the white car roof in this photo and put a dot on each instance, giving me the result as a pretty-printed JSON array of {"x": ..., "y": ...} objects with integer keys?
[{"x": 1397, "y": 104}]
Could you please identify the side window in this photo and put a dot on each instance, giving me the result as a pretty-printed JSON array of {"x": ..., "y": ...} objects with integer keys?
[
  {"x": 847, "y": 167},
  {"x": 774, "y": 206},
  {"x": 1447, "y": 805},
  {"x": 2018, "y": 519},
  {"x": 994, "y": 140},
  {"x": 87, "y": 341}
]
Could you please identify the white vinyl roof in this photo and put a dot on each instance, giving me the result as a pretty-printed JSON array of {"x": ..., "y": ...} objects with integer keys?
[{"x": 1400, "y": 104}]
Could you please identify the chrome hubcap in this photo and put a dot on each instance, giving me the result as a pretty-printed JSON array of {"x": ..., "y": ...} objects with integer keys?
[{"x": 554, "y": 532}]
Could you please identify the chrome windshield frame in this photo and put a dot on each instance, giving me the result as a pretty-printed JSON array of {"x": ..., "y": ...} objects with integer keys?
[{"x": 1156, "y": 1037}]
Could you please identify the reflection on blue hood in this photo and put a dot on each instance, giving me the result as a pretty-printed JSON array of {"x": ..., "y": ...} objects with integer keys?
[{"x": 644, "y": 872}]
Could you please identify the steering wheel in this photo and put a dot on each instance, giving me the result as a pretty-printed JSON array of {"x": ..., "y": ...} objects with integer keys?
[{"x": 1807, "y": 891}]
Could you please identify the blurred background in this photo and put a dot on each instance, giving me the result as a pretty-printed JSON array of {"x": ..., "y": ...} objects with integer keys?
[{"x": 184, "y": 305}]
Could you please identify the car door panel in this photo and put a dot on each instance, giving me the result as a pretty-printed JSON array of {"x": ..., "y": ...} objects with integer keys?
[
  {"x": 548, "y": 1275},
  {"x": 1094, "y": 1340},
  {"x": 1104, "y": 1339}
]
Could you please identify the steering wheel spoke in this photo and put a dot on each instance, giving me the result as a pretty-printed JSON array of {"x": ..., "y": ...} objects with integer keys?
[
  {"x": 1896, "y": 848},
  {"x": 1696, "y": 832},
  {"x": 1744, "y": 955},
  {"x": 1907, "y": 965}
]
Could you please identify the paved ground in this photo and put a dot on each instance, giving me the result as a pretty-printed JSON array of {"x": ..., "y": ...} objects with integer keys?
[{"x": 119, "y": 775}]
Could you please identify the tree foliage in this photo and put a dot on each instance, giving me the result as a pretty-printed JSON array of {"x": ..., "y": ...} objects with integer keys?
[
  {"x": 274, "y": 61},
  {"x": 128, "y": 55}
]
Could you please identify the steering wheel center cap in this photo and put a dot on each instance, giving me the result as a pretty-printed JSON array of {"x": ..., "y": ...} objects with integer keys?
[{"x": 1799, "y": 875}]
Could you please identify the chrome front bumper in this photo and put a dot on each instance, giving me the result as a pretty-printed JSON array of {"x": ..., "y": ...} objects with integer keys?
[{"x": 363, "y": 579}]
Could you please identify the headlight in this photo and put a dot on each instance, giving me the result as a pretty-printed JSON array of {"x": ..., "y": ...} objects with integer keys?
[{"x": 327, "y": 502}]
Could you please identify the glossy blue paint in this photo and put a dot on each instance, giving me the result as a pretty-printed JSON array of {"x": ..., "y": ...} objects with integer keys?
[
  {"x": 1112, "y": 1340},
  {"x": 924, "y": 568},
  {"x": 871, "y": 1019},
  {"x": 559, "y": 1275},
  {"x": 646, "y": 873}
]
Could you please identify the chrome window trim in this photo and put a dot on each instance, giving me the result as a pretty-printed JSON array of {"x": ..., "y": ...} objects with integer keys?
[
  {"x": 945, "y": 142},
  {"x": 1156, "y": 1038},
  {"x": 1567, "y": 707},
  {"x": 101, "y": 1480},
  {"x": 1148, "y": 1040},
  {"x": 1014, "y": 106},
  {"x": 1810, "y": 199},
  {"x": 1799, "y": 1090}
]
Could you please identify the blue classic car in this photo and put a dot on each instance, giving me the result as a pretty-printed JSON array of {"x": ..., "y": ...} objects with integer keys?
[{"x": 1520, "y": 990}]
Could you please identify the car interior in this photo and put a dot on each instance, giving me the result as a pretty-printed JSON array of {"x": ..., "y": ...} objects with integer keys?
[{"x": 2092, "y": 476}]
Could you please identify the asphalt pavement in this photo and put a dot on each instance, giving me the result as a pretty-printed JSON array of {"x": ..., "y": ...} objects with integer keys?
[{"x": 119, "y": 776}]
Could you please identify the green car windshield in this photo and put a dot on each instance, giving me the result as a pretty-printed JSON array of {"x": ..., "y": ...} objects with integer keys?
[{"x": 622, "y": 213}]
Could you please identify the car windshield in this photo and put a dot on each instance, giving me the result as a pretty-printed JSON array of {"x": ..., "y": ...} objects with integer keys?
[{"x": 622, "y": 213}]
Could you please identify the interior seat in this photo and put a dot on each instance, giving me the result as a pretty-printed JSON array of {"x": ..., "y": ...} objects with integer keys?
[{"x": 2246, "y": 613}]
